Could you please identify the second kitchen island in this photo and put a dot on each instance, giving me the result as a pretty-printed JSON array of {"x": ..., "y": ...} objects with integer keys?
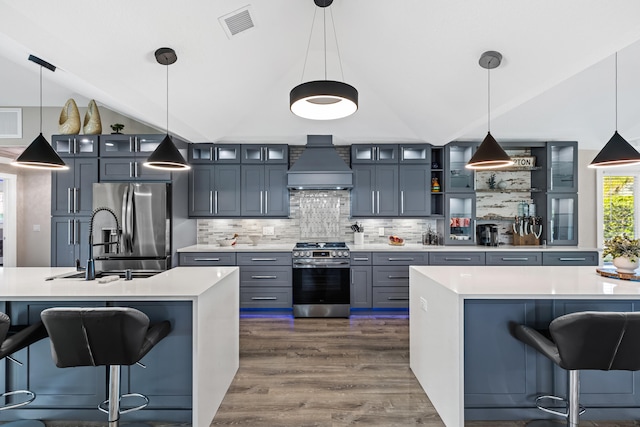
[{"x": 470, "y": 366}]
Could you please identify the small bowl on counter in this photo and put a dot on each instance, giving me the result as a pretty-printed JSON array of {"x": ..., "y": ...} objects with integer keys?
[
  {"x": 255, "y": 238},
  {"x": 226, "y": 242}
]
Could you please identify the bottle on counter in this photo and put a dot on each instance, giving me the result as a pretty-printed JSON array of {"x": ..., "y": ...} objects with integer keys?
[{"x": 435, "y": 185}]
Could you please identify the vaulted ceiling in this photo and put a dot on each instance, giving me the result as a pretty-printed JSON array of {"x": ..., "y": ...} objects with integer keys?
[{"x": 414, "y": 63}]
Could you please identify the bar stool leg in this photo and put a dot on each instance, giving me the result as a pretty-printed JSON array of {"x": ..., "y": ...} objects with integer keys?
[
  {"x": 114, "y": 395},
  {"x": 574, "y": 395}
]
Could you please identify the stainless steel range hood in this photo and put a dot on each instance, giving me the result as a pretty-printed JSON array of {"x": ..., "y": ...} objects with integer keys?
[{"x": 320, "y": 167}]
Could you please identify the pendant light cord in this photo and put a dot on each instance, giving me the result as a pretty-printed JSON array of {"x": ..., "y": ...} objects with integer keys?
[
  {"x": 616, "y": 92},
  {"x": 324, "y": 35},
  {"x": 167, "y": 66},
  {"x": 306, "y": 57},
  {"x": 41, "y": 99},
  {"x": 489, "y": 97},
  {"x": 335, "y": 36}
]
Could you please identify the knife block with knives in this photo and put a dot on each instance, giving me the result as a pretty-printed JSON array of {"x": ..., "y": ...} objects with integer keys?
[{"x": 527, "y": 231}]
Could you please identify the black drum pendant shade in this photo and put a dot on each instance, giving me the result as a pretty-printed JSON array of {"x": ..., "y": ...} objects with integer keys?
[
  {"x": 40, "y": 154},
  {"x": 166, "y": 155},
  {"x": 489, "y": 154},
  {"x": 323, "y": 99},
  {"x": 617, "y": 152}
]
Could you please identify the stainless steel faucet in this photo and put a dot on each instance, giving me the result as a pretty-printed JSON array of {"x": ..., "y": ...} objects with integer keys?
[{"x": 91, "y": 268}]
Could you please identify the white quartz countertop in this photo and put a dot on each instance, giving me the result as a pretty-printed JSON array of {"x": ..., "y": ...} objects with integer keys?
[
  {"x": 382, "y": 247},
  {"x": 508, "y": 282},
  {"x": 29, "y": 283}
]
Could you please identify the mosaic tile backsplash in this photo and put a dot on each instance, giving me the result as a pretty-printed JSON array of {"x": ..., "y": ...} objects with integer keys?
[{"x": 314, "y": 216}]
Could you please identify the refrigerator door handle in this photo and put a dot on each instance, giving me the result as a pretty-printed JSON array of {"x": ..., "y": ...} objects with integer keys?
[{"x": 131, "y": 215}]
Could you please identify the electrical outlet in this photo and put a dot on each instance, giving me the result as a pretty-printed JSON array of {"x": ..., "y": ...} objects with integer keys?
[
  {"x": 268, "y": 231},
  {"x": 423, "y": 303},
  {"x": 380, "y": 231}
]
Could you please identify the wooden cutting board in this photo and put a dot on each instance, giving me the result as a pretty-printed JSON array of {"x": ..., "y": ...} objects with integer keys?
[{"x": 613, "y": 273}]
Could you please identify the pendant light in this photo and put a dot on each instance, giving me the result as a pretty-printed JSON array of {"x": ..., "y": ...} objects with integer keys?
[
  {"x": 166, "y": 156},
  {"x": 489, "y": 154},
  {"x": 323, "y": 99},
  {"x": 40, "y": 154},
  {"x": 617, "y": 152}
]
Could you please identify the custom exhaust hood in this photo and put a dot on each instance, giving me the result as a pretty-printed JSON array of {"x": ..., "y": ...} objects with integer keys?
[{"x": 320, "y": 167}]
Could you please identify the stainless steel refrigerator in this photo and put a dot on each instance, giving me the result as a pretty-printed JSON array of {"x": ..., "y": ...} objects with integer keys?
[{"x": 143, "y": 230}]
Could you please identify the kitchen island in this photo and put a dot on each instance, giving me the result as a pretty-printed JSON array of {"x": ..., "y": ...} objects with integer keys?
[
  {"x": 200, "y": 354},
  {"x": 471, "y": 368}
]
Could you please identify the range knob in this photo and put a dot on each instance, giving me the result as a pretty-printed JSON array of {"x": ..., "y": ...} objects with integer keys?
[
  {"x": 334, "y": 253},
  {"x": 344, "y": 254},
  {"x": 296, "y": 254},
  {"x": 307, "y": 253}
]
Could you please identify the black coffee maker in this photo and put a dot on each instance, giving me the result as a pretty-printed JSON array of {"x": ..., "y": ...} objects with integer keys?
[{"x": 487, "y": 234}]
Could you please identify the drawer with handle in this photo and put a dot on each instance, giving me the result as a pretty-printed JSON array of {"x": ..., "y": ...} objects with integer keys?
[
  {"x": 361, "y": 258},
  {"x": 457, "y": 258},
  {"x": 207, "y": 258},
  {"x": 277, "y": 276},
  {"x": 400, "y": 258},
  {"x": 391, "y": 275},
  {"x": 570, "y": 258},
  {"x": 390, "y": 297},
  {"x": 269, "y": 297},
  {"x": 264, "y": 258},
  {"x": 514, "y": 258}
]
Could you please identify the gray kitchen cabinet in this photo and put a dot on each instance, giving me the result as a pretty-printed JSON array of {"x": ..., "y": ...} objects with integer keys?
[
  {"x": 264, "y": 191},
  {"x": 122, "y": 145},
  {"x": 415, "y": 190},
  {"x": 72, "y": 189},
  {"x": 166, "y": 378},
  {"x": 374, "y": 153},
  {"x": 207, "y": 259},
  {"x": 270, "y": 153},
  {"x": 437, "y": 172},
  {"x": 208, "y": 153},
  {"x": 460, "y": 212},
  {"x": 457, "y": 258},
  {"x": 75, "y": 145},
  {"x": 214, "y": 190},
  {"x": 558, "y": 171},
  {"x": 513, "y": 258},
  {"x": 414, "y": 153},
  {"x": 571, "y": 258},
  {"x": 361, "y": 280},
  {"x": 69, "y": 240},
  {"x": 390, "y": 271},
  {"x": 265, "y": 279},
  {"x": 130, "y": 169},
  {"x": 459, "y": 179},
  {"x": 375, "y": 191},
  {"x": 562, "y": 219}
]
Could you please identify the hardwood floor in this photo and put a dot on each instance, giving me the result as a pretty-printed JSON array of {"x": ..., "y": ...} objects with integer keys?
[{"x": 332, "y": 373}]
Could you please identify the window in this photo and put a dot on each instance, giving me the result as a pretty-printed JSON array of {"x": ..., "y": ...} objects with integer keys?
[{"x": 618, "y": 203}]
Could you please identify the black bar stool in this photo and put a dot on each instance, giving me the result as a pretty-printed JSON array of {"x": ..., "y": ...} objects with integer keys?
[
  {"x": 588, "y": 340},
  {"x": 104, "y": 336},
  {"x": 9, "y": 344}
]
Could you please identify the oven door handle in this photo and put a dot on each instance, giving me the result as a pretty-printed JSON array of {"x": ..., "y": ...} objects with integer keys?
[{"x": 321, "y": 264}]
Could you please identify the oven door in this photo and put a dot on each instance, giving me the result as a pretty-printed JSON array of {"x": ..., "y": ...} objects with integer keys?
[{"x": 321, "y": 285}]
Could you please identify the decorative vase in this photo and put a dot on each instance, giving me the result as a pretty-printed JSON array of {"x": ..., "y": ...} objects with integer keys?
[
  {"x": 92, "y": 124},
  {"x": 358, "y": 238},
  {"x": 69, "y": 123},
  {"x": 502, "y": 185},
  {"x": 625, "y": 265}
]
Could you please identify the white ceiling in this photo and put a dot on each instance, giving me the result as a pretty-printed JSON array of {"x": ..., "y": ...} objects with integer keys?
[{"x": 414, "y": 63}]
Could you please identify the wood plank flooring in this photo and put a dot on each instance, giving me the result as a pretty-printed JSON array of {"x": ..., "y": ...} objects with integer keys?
[{"x": 332, "y": 373}]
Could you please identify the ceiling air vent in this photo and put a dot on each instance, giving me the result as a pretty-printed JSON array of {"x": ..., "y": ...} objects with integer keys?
[
  {"x": 237, "y": 21},
  {"x": 10, "y": 123}
]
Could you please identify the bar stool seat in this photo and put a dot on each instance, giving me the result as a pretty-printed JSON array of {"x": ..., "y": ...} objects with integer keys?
[
  {"x": 588, "y": 340},
  {"x": 103, "y": 336},
  {"x": 9, "y": 344}
]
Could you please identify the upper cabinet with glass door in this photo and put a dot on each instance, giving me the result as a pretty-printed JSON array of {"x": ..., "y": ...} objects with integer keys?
[
  {"x": 369, "y": 153},
  {"x": 559, "y": 167},
  {"x": 206, "y": 153},
  {"x": 459, "y": 179},
  {"x": 265, "y": 153},
  {"x": 121, "y": 145},
  {"x": 415, "y": 153},
  {"x": 75, "y": 145}
]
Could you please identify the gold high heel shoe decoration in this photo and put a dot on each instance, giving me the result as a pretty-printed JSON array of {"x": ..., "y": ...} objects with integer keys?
[
  {"x": 69, "y": 123},
  {"x": 92, "y": 124}
]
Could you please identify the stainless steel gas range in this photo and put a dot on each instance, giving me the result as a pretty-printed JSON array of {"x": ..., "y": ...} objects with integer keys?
[{"x": 321, "y": 285}]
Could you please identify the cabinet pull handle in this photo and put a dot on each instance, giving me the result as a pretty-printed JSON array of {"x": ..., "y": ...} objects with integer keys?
[
  {"x": 397, "y": 277},
  {"x": 69, "y": 149},
  {"x": 378, "y": 201},
  {"x": 264, "y": 277},
  {"x": 211, "y": 154},
  {"x": 400, "y": 259},
  {"x": 75, "y": 200},
  {"x": 361, "y": 259},
  {"x": 551, "y": 230},
  {"x": 137, "y": 144},
  {"x": 264, "y": 259},
  {"x": 457, "y": 259},
  {"x": 76, "y": 232},
  {"x": 135, "y": 169},
  {"x": 402, "y": 201},
  {"x": 260, "y": 201},
  {"x": 475, "y": 227},
  {"x": 69, "y": 231},
  {"x": 373, "y": 202},
  {"x": 264, "y": 298},
  {"x": 130, "y": 169},
  {"x": 210, "y": 201},
  {"x": 206, "y": 259},
  {"x": 68, "y": 199},
  {"x": 266, "y": 202},
  {"x": 515, "y": 259},
  {"x": 398, "y": 298},
  {"x": 76, "y": 149},
  {"x": 572, "y": 259},
  {"x": 131, "y": 144}
]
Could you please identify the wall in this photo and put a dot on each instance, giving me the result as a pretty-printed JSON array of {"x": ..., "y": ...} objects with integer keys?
[{"x": 34, "y": 187}]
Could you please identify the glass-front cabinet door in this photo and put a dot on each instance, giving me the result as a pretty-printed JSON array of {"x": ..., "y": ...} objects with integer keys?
[
  {"x": 562, "y": 161},
  {"x": 459, "y": 179},
  {"x": 276, "y": 153},
  {"x": 461, "y": 213},
  {"x": 214, "y": 153},
  {"x": 75, "y": 145},
  {"x": 119, "y": 145},
  {"x": 562, "y": 214},
  {"x": 367, "y": 153}
]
